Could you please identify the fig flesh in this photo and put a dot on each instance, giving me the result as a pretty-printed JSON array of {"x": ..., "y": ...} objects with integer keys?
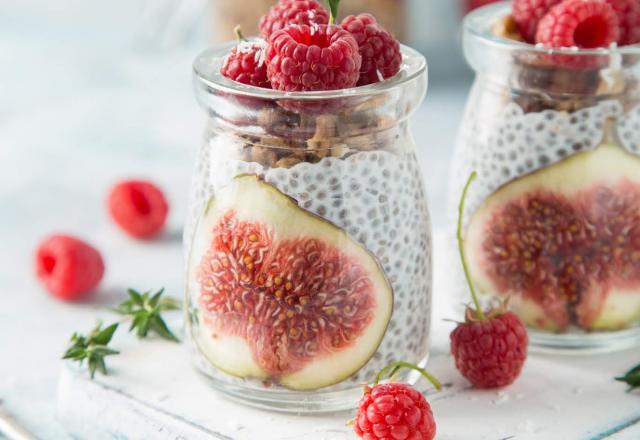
[
  {"x": 283, "y": 295},
  {"x": 564, "y": 242}
]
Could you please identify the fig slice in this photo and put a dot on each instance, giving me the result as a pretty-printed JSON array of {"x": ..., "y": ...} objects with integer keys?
[
  {"x": 284, "y": 296},
  {"x": 564, "y": 242}
]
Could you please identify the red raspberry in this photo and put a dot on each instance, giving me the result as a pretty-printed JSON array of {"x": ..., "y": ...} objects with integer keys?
[
  {"x": 394, "y": 411},
  {"x": 579, "y": 23},
  {"x": 381, "y": 57},
  {"x": 528, "y": 13},
  {"x": 489, "y": 348},
  {"x": 490, "y": 353},
  {"x": 138, "y": 207},
  {"x": 68, "y": 267},
  {"x": 629, "y": 16},
  {"x": 311, "y": 58},
  {"x": 245, "y": 64},
  {"x": 287, "y": 12}
]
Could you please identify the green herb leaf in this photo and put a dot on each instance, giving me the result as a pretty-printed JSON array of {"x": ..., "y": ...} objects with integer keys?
[
  {"x": 135, "y": 297},
  {"x": 75, "y": 353},
  {"x": 103, "y": 337},
  {"x": 93, "y": 348},
  {"x": 333, "y": 7},
  {"x": 160, "y": 327},
  {"x": 146, "y": 309},
  {"x": 101, "y": 365},
  {"x": 631, "y": 378},
  {"x": 153, "y": 302}
]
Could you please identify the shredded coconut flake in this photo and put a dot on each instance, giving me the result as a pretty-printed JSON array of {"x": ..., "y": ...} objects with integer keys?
[
  {"x": 502, "y": 398},
  {"x": 526, "y": 426},
  {"x": 234, "y": 425},
  {"x": 380, "y": 77},
  {"x": 260, "y": 56},
  {"x": 578, "y": 390},
  {"x": 245, "y": 47}
]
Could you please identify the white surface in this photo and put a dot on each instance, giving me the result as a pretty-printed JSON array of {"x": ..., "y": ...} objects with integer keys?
[
  {"x": 555, "y": 398},
  {"x": 82, "y": 106}
]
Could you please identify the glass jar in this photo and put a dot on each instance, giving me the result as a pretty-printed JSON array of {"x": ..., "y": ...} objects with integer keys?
[
  {"x": 553, "y": 222},
  {"x": 308, "y": 240}
]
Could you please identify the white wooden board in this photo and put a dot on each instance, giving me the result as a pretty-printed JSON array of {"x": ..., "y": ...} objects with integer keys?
[{"x": 153, "y": 392}]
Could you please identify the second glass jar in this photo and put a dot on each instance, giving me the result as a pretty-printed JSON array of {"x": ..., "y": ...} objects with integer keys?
[{"x": 554, "y": 219}]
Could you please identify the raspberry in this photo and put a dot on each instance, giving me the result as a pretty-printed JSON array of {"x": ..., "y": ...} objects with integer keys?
[
  {"x": 528, "y": 13},
  {"x": 381, "y": 57},
  {"x": 628, "y": 12},
  {"x": 311, "y": 58},
  {"x": 579, "y": 23},
  {"x": 394, "y": 411},
  {"x": 138, "y": 207},
  {"x": 245, "y": 64},
  {"x": 68, "y": 267},
  {"x": 489, "y": 348},
  {"x": 287, "y": 12},
  {"x": 490, "y": 353}
]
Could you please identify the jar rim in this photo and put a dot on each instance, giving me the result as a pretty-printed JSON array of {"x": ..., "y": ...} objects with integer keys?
[
  {"x": 206, "y": 70},
  {"x": 477, "y": 27}
]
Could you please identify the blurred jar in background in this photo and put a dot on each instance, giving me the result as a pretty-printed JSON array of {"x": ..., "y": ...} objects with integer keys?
[
  {"x": 470, "y": 5},
  {"x": 227, "y": 14}
]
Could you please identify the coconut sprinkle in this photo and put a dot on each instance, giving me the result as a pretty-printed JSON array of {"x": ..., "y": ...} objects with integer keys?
[
  {"x": 247, "y": 47},
  {"x": 260, "y": 56}
]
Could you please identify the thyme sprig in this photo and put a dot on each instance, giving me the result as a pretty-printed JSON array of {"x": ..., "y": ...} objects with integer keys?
[
  {"x": 93, "y": 348},
  {"x": 146, "y": 310},
  {"x": 631, "y": 378}
]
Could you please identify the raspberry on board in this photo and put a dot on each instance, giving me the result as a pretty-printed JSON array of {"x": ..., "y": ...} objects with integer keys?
[
  {"x": 138, "y": 207},
  {"x": 490, "y": 353},
  {"x": 394, "y": 411},
  {"x": 528, "y": 13},
  {"x": 245, "y": 64},
  {"x": 628, "y": 12},
  {"x": 584, "y": 24},
  {"x": 490, "y": 347},
  {"x": 68, "y": 267},
  {"x": 313, "y": 58},
  {"x": 380, "y": 51},
  {"x": 288, "y": 12}
]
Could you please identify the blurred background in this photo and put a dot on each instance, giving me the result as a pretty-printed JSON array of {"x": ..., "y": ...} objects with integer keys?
[
  {"x": 92, "y": 92},
  {"x": 110, "y": 82}
]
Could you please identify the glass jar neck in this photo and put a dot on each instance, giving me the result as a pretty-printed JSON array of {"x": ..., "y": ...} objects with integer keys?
[
  {"x": 558, "y": 73},
  {"x": 305, "y": 116}
]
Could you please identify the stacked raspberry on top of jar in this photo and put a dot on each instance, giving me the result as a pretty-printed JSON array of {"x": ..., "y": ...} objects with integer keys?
[
  {"x": 583, "y": 24},
  {"x": 302, "y": 49}
]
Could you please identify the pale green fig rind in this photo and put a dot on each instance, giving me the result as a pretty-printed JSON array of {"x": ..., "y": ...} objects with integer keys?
[{"x": 621, "y": 308}]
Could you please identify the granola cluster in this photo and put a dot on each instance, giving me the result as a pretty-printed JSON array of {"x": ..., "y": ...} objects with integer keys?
[{"x": 279, "y": 138}]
